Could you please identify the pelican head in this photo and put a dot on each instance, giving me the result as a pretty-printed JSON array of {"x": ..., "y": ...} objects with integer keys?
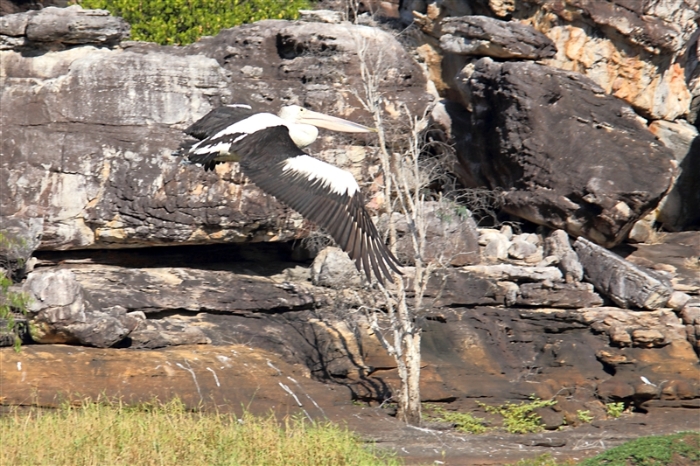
[{"x": 303, "y": 124}]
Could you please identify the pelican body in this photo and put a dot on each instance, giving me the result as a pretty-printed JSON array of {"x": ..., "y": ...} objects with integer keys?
[{"x": 268, "y": 148}]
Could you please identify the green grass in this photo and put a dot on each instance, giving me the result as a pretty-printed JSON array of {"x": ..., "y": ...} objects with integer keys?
[
  {"x": 545, "y": 459},
  {"x": 676, "y": 449},
  {"x": 167, "y": 434}
]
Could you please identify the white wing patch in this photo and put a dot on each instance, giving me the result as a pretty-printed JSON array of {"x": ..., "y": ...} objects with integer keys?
[
  {"x": 248, "y": 126},
  {"x": 337, "y": 179},
  {"x": 252, "y": 124},
  {"x": 221, "y": 148}
]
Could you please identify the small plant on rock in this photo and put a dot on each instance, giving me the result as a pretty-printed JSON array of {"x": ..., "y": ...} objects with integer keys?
[
  {"x": 615, "y": 410},
  {"x": 12, "y": 303},
  {"x": 520, "y": 418},
  {"x": 463, "y": 422},
  {"x": 584, "y": 416}
]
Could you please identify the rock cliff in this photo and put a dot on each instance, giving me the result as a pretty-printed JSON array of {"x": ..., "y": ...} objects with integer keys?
[{"x": 576, "y": 117}]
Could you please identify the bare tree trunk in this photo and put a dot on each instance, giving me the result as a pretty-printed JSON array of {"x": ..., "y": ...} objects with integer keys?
[
  {"x": 406, "y": 190},
  {"x": 409, "y": 398}
]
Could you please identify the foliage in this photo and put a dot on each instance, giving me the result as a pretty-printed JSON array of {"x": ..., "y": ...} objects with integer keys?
[
  {"x": 584, "y": 416},
  {"x": 680, "y": 448},
  {"x": 464, "y": 422},
  {"x": 545, "y": 459},
  {"x": 158, "y": 433},
  {"x": 11, "y": 302},
  {"x": 180, "y": 22},
  {"x": 615, "y": 409},
  {"x": 520, "y": 418}
]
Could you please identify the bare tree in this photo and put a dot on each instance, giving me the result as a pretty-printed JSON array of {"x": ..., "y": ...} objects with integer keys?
[{"x": 404, "y": 183}]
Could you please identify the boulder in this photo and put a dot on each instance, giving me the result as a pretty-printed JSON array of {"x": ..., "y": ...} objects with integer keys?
[
  {"x": 571, "y": 156},
  {"x": 451, "y": 235},
  {"x": 61, "y": 27},
  {"x": 681, "y": 207},
  {"x": 496, "y": 245},
  {"x": 333, "y": 268},
  {"x": 524, "y": 250},
  {"x": 490, "y": 37},
  {"x": 559, "y": 246},
  {"x": 60, "y": 312},
  {"x": 628, "y": 285}
]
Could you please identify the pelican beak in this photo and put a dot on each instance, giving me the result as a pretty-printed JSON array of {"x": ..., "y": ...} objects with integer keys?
[{"x": 332, "y": 123}]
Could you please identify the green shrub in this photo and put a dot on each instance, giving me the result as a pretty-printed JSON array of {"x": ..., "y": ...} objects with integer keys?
[
  {"x": 615, "y": 410},
  {"x": 464, "y": 422},
  {"x": 520, "y": 418},
  {"x": 681, "y": 448},
  {"x": 584, "y": 416},
  {"x": 11, "y": 302},
  {"x": 180, "y": 22}
]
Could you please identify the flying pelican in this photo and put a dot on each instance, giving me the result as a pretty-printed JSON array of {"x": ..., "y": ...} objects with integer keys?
[{"x": 268, "y": 147}]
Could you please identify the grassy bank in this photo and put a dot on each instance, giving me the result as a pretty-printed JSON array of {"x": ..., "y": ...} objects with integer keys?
[{"x": 164, "y": 434}]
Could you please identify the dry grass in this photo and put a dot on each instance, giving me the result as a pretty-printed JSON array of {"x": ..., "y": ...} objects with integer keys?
[
  {"x": 693, "y": 262},
  {"x": 656, "y": 236},
  {"x": 167, "y": 434}
]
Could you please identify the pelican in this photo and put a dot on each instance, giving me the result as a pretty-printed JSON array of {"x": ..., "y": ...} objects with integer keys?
[{"x": 268, "y": 148}]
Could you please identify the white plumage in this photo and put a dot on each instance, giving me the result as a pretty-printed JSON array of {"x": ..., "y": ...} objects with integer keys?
[{"x": 336, "y": 179}]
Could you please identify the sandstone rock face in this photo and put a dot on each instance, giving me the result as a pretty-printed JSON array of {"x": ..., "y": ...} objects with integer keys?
[
  {"x": 313, "y": 64},
  {"x": 21, "y": 238},
  {"x": 653, "y": 37},
  {"x": 197, "y": 375},
  {"x": 155, "y": 289},
  {"x": 640, "y": 51},
  {"x": 588, "y": 180},
  {"x": 97, "y": 166},
  {"x": 94, "y": 129}
]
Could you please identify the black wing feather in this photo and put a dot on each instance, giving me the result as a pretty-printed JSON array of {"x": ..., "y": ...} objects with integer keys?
[{"x": 218, "y": 119}]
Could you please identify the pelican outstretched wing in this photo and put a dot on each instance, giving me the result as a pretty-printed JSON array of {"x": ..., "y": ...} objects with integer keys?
[{"x": 323, "y": 193}]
